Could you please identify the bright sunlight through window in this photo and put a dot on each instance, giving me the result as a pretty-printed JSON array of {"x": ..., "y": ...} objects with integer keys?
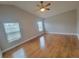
[
  {"x": 12, "y": 31},
  {"x": 42, "y": 42},
  {"x": 40, "y": 25}
]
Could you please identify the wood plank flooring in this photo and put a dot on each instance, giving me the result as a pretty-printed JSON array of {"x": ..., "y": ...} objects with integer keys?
[{"x": 47, "y": 46}]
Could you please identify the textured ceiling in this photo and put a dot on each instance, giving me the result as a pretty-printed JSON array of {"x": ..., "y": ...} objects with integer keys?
[{"x": 56, "y": 7}]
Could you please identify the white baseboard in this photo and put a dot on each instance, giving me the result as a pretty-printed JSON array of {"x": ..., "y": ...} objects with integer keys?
[
  {"x": 62, "y": 33},
  {"x": 21, "y": 43},
  {"x": 65, "y": 34}
]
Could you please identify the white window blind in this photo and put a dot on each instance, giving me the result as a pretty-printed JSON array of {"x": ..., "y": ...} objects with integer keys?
[{"x": 12, "y": 31}]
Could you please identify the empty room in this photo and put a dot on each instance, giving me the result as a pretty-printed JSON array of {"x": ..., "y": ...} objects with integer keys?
[{"x": 39, "y": 29}]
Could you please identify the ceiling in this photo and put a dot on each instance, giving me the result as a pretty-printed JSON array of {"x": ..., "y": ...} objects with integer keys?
[{"x": 56, "y": 7}]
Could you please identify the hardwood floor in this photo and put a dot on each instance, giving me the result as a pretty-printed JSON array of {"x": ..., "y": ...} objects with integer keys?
[{"x": 47, "y": 46}]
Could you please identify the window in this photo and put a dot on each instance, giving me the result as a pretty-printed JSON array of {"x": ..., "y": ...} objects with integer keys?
[
  {"x": 12, "y": 31},
  {"x": 40, "y": 25}
]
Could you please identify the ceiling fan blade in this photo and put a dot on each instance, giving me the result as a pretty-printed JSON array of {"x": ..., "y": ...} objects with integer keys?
[
  {"x": 41, "y": 2},
  {"x": 48, "y": 5},
  {"x": 47, "y": 9}
]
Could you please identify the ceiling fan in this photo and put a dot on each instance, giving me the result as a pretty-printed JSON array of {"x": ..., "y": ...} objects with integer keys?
[{"x": 43, "y": 7}]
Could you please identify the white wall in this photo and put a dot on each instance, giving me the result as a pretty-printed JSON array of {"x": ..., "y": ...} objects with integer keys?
[
  {"x": 27, "y": 21},
  {"x": 62, "y": 23},
  {"x": 78, "y": 21}
]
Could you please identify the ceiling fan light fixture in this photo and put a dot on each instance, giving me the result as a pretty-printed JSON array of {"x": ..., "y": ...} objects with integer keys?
[{"x": 42, "y": 9}]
